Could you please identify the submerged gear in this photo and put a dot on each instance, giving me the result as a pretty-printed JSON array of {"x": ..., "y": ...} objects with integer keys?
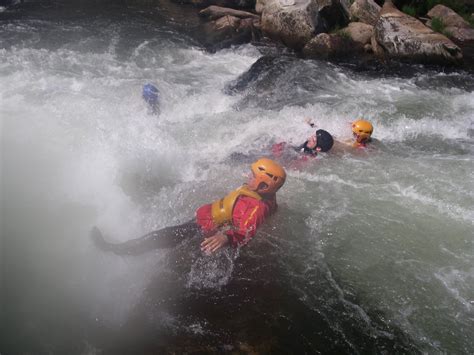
[
  {"x": 362, "y": 130},
  {"x": 150, "y": 94},
  {"x": 222, "y": 209},
  {"x": 269, "y": 176},
  {"x": 324, "y": 140}
]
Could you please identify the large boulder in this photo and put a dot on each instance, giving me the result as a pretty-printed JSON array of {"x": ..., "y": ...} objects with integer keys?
[
  {"x": 404, "y": 37},
  {"x": 229, "y": 30},
  {"x": 331, "y": 46},
  {"x": 366, "y": 11},
  {"x": 241, "y": 4},
  {"x": 295, "y": 22},
  {"x": 359, "y": 32},
  {"x": 458, "y": 29}
]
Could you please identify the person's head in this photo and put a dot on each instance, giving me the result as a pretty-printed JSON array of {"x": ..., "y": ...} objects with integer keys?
[
  {"x": 268, "y": 176},
  {"x": 150, "y": 94},
  {"x": 362, "y": 130},
  {"x": 322, "y": 141}
]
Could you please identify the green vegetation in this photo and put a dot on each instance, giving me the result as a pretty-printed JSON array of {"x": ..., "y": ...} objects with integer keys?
[
  {"x": 438, "y": 26},
  {"x": 343, "y": 34},
  {"x": 469, "y": 18},
  {"x": 421, "y": 7},
  {"x": 417, "y": 8},
  {"x": 409, "y": 10}
]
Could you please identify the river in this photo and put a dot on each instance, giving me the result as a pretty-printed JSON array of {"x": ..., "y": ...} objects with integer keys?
[{"x": 371, "y": 251}]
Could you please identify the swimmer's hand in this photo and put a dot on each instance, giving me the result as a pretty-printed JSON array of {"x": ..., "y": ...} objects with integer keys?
[
  {"x": 211, "y": 244},
  {"x": 309, "y": 121}
]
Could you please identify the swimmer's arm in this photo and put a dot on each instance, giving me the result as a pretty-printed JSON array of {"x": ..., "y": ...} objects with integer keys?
[{"x": 300, "y": 147}]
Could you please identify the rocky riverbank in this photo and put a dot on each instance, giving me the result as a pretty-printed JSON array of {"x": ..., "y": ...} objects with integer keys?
[
  {"x": 335, "y": 29},
  {"x": 358, "y": 31},
  {"x": 338, "y": 29}
]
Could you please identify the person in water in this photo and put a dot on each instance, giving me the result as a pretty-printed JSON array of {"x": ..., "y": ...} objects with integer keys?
[
  {"x": 151, "y": 96},
  {"x": 232, "y": 220},
  {"x": 320, "y": 141},
  {"x": 362, "y": 132}
]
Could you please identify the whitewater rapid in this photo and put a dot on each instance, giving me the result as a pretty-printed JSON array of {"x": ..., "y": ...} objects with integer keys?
[{"x": 376, "y": 244}]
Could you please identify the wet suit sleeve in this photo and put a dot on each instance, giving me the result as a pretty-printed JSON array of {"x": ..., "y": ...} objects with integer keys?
[{"x": 246, "y": 221}]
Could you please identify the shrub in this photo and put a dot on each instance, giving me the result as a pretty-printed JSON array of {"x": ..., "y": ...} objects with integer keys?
[
  {"x": 437, "y": 25},
  {"x": 343, "y": 34},
  {"x": 409, "y": 10}
]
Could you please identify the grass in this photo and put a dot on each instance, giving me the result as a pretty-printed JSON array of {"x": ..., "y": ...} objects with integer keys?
[
  {"x": 469, "y": 18},
  {"x": 418, "y": 8},
  {"x": 438, "y": 26},
  {"x": 343, "y": 34},
  {"x": 409, "y": 10},
  {"x": 421, "y": 7}
]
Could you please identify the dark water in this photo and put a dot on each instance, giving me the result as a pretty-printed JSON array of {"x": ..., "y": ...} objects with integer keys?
[{"x": 370, "y": 252}]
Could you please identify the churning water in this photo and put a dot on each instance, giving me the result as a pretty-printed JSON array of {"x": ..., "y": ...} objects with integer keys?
[{"x": 370, "y": 252}]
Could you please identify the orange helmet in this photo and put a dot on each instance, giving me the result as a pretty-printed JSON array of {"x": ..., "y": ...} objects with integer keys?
[
  {"x": 269, "y": 176},
  {"x": 362, "y": 130}
]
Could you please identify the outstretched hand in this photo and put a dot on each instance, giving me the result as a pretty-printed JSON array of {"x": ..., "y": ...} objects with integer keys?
[
  {"x": 309, "y": 121},
  {"x": 211, "y": 244}
]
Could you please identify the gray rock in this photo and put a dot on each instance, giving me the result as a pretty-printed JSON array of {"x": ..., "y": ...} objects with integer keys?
[
  {"x": 366, "y": 11},
  {"x": 241, "y": 4},
  {"x": 295, "y": 22},
  {"x": 331, "y": 46},
  {"x": 458, "y": 29},
  {"x": 229, "y": 30},
  {"x": 359, "y": 32},
  {"x": 404, "y": 37},
  {"x": 215, "y": 12},
  {"x": 449, "y": 17}
]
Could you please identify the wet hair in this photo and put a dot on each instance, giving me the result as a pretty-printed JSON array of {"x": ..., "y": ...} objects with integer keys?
[{"x": 324, "y": 140}]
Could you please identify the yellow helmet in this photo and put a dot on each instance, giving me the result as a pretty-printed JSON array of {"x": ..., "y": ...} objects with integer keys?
[
  {"x": 269, "y": 176},
  {"x": 362, "y": 130}
]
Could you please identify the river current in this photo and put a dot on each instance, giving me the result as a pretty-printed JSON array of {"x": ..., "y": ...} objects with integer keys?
[{"x": 371, "y": 251}]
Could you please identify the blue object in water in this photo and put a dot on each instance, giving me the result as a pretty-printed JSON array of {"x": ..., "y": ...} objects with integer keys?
[{"x": 150, "y": 95}]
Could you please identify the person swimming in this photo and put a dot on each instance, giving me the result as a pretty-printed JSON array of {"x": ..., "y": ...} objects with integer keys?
[
  {"x": 232, "y": 220},
  {"x": 321, "y": 141},
  {"x": 151, "y": 96},
  {"x": 362, "y": 132}
]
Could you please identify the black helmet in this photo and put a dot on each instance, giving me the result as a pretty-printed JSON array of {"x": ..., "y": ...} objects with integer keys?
[{"x": 324, "y": 140}]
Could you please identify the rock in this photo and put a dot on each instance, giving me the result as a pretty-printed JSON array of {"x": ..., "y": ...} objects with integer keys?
[
  {"x": 239, "y": 4},
  {"x": 295, "y": 22},
  {"x": 458, "y": 29},
  {"x": 214, "y": 12},
  {"x": 368, "y": 48},
  {"x": 227, "y": 23},
  {"x": 448, "y": 16},
  {"x": 259, "y": 6},
  {"x": 359, "y": 32},
  {"x": 404, "y": 37},
  {"x": 230, "y": 30},
  {"x": 376, "y": 48},
  {"x": 366, "y": 11},
  {"x": 330, "y": 46}
]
